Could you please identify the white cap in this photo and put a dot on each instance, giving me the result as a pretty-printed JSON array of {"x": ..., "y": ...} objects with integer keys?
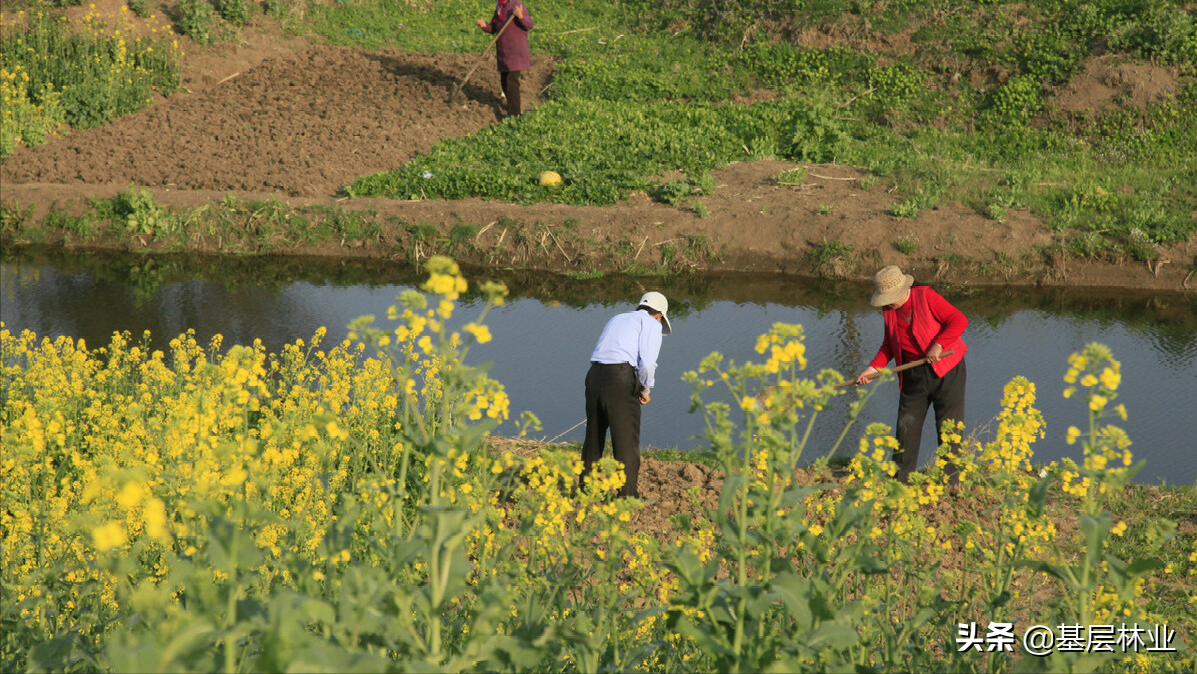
[{"x": 657, "y": 302}]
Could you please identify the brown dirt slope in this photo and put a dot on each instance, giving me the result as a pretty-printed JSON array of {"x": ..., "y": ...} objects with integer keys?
[
  {"x": 273, "y": 114},
  {"x": 302, "y": 124}
]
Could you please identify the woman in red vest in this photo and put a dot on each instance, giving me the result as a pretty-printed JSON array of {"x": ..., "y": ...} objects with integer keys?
[
  {"x": 919, "y": 323},
  {"x": 512, "y": 52}
]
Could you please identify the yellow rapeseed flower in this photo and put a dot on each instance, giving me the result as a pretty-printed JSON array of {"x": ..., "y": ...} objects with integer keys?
[
  {"x": 480, "y": 332},
  {"x": 109, "y": 536}
]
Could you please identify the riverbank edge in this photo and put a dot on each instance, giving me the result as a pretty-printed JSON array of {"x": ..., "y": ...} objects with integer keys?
[{"x": 539, "y": 237}]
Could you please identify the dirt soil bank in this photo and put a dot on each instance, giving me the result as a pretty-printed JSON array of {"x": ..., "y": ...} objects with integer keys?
[{"x": 276, "y": 116}]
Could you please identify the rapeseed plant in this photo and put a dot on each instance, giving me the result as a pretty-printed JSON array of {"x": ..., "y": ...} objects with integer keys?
[
  {"x": 51, "y": 76},
  {"x": 330, "y": 506}
]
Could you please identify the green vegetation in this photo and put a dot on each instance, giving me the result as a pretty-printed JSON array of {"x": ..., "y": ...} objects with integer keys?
[
  {"x": 640, "y": 91},
  {"x": 134, "y": 220},
  {"x": 831, "y": 258},
  {"x": 907, "y": 244},
  {"x": 626, "y": 144},
  {"x": 195, "y": 20},
  {"x": 954, "y": 100}
]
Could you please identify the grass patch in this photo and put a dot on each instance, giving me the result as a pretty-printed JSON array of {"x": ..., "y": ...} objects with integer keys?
[{"x": 603, "y": 151}]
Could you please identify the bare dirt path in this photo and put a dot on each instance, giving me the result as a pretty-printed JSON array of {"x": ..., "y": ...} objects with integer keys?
[{"x": 277, "y": 115}]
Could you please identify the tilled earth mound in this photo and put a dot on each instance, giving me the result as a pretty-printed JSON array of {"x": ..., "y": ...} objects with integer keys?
[{"x": 304, "y": 125}]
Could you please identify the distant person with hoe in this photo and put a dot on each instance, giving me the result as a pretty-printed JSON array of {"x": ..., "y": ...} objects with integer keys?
[
  {"x": 622, "y": 372},
  {"x": 512, "y": 52},
  {"x": 919, "y": 323}
]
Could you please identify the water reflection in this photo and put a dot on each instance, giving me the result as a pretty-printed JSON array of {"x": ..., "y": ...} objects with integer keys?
[{"x": 544, "y": 336}]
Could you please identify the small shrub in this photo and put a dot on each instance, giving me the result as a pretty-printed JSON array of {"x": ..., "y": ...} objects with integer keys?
[
  {"x": 1139, "y": 246},
  {"x": 700, "y": 246},
  {"x": 826, "y": 209},
  {"x": 24, "y": 121},
  {"x": 235, "y": 12},
  {"x": 351, "y": 225},
  {"x": 906, "y": 209},
  {"x": 140, "y": 7},
  {"x": 1016, "y": 102},
  {"x": 897, "y": 84},
  {"x": 461, "y": 237},
  {"x": 668, "y": 255},
  {"x": 14, "y": 219},
  {"x": 195, "y": 20},
  {"x": 829, "y": 251},
  {"x": 135, "y": 212},
  {"x": 704, "y": 184},
  {"x": 794, "y": 176},
  {"x": 818, "y": 134},
  {"x": 671, "y": 192},
  {"x": 1088, "y": 244},
  {"x": 831, "y": 259},
  {"x": 700, "y": 209},
  {"x": 908, "y": 244},
  {"x": 423, "y": 232}
]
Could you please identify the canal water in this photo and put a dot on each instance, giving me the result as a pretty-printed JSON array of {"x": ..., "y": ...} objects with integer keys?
[{"x": 544, "y": 335}]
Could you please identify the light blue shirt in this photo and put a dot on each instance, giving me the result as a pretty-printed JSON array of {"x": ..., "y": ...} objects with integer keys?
[{"x": 633, "y": 338}]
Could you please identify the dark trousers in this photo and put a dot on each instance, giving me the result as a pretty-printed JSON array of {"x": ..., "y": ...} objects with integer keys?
[
  {"x": 511, "y": 89},
  {"x": 922, "y": 388},
  {"x": 613, "y": 401}
]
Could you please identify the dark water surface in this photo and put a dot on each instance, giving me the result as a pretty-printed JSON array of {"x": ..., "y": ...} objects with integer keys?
[{"x": 544, "y": 336}]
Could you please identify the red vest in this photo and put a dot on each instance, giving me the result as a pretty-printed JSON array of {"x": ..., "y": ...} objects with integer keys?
[{"x": 926, "y": 328}]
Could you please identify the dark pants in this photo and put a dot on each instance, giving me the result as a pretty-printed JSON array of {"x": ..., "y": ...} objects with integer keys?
[
  {"x": 511, "y": 89},
  {"x": 922, "y": 388},
  {"x": 613, "y": 401}
]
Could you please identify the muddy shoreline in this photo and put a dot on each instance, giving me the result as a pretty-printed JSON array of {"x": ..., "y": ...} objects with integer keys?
[{"x": 636, "y": 236}]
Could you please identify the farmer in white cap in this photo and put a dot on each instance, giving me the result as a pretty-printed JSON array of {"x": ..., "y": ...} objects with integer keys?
[
  {"x": 919, "y": 323},
  {"x": 622, "y": 369}
]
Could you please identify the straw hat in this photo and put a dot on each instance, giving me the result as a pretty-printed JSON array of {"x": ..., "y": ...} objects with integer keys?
[
  {"x": 891, "y": 285},
  {"x": 657, "y": 302}
]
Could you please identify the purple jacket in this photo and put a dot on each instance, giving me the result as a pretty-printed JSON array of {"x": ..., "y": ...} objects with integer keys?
[{"x": 512, "y": 49}]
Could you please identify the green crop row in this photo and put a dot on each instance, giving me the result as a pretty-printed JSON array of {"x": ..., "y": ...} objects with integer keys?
[{"x": 602, "y": 150}]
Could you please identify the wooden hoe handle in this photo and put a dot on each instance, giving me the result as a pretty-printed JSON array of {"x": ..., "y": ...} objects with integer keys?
[
  {"x": 905, "y": 366},
  {"x": 483, "y": 54}
]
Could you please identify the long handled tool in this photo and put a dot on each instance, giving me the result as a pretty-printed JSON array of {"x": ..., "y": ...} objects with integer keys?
[
  {"x": 905, "y": 366},
  {"x": 458, "y": 87}
]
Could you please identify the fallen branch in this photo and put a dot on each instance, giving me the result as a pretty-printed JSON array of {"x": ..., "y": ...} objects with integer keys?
[
  {"x": 570, "y": 429},
  {"x": 637, "y": 255},
  {"x": 228, "y": 78},
  {"x": 866, "y": 92},
  {"x": 560, "y": 247},
  {"x": 483, "y": 230},
  {"x": 816, "y": 175}
]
